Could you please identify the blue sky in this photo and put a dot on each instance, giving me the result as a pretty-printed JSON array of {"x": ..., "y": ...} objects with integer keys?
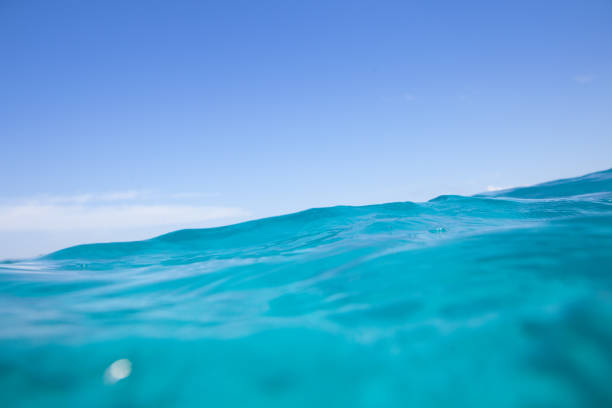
[{"x": 121, "y": 120}]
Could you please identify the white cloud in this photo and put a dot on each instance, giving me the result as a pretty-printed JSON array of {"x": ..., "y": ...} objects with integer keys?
[
  {"x": 495, "y": 188},
  {"x": 584, "y": 78},
  {"x": 111, "y": 210},
  {"x": 36, "y": 225},
  {"x": 76, "y": 216},
  {"x": 90, "y": 198},
  {"x": 111, "y": 197}
]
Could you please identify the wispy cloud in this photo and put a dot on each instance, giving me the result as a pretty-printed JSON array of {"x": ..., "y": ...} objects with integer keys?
[
  {"x": 495, "y": 188},
  {"x": 63, "y": 217},
  {"x": 113, "y": 196},
  {"x": 113, "y": 210},
  {"x": 584, "y": 78}
]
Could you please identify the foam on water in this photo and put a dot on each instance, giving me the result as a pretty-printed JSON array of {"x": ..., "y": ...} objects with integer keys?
[{"x": 501, "y": 299}]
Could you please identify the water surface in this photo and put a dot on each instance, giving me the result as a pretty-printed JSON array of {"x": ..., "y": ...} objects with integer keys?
[{"x": 495, "y": 300}]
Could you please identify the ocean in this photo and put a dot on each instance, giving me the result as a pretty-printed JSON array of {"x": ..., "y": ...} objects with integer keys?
[{"x": 501, "y": 299}]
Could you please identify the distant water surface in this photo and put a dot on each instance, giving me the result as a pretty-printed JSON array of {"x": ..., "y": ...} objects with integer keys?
[{"x": 495, "y": 300}]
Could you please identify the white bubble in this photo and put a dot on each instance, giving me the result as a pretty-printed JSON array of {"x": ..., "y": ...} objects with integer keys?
[{"x": 117, "y": 371}]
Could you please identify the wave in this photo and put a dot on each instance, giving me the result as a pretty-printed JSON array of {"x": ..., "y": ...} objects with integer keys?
[{"x": 501, "y": 299}]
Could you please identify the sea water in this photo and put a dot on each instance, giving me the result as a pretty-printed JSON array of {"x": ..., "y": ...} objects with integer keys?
[{"x": 495, "y": 300}]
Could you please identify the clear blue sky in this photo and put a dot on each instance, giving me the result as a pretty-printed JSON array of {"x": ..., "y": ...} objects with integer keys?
[{"x": 204, "y": 113}]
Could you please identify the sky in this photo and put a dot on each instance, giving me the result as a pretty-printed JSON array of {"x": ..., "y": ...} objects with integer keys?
[{"x": 121, "y": 120}]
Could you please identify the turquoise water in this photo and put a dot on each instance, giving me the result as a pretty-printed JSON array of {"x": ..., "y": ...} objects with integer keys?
[{"x": 496, "y": 300}]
